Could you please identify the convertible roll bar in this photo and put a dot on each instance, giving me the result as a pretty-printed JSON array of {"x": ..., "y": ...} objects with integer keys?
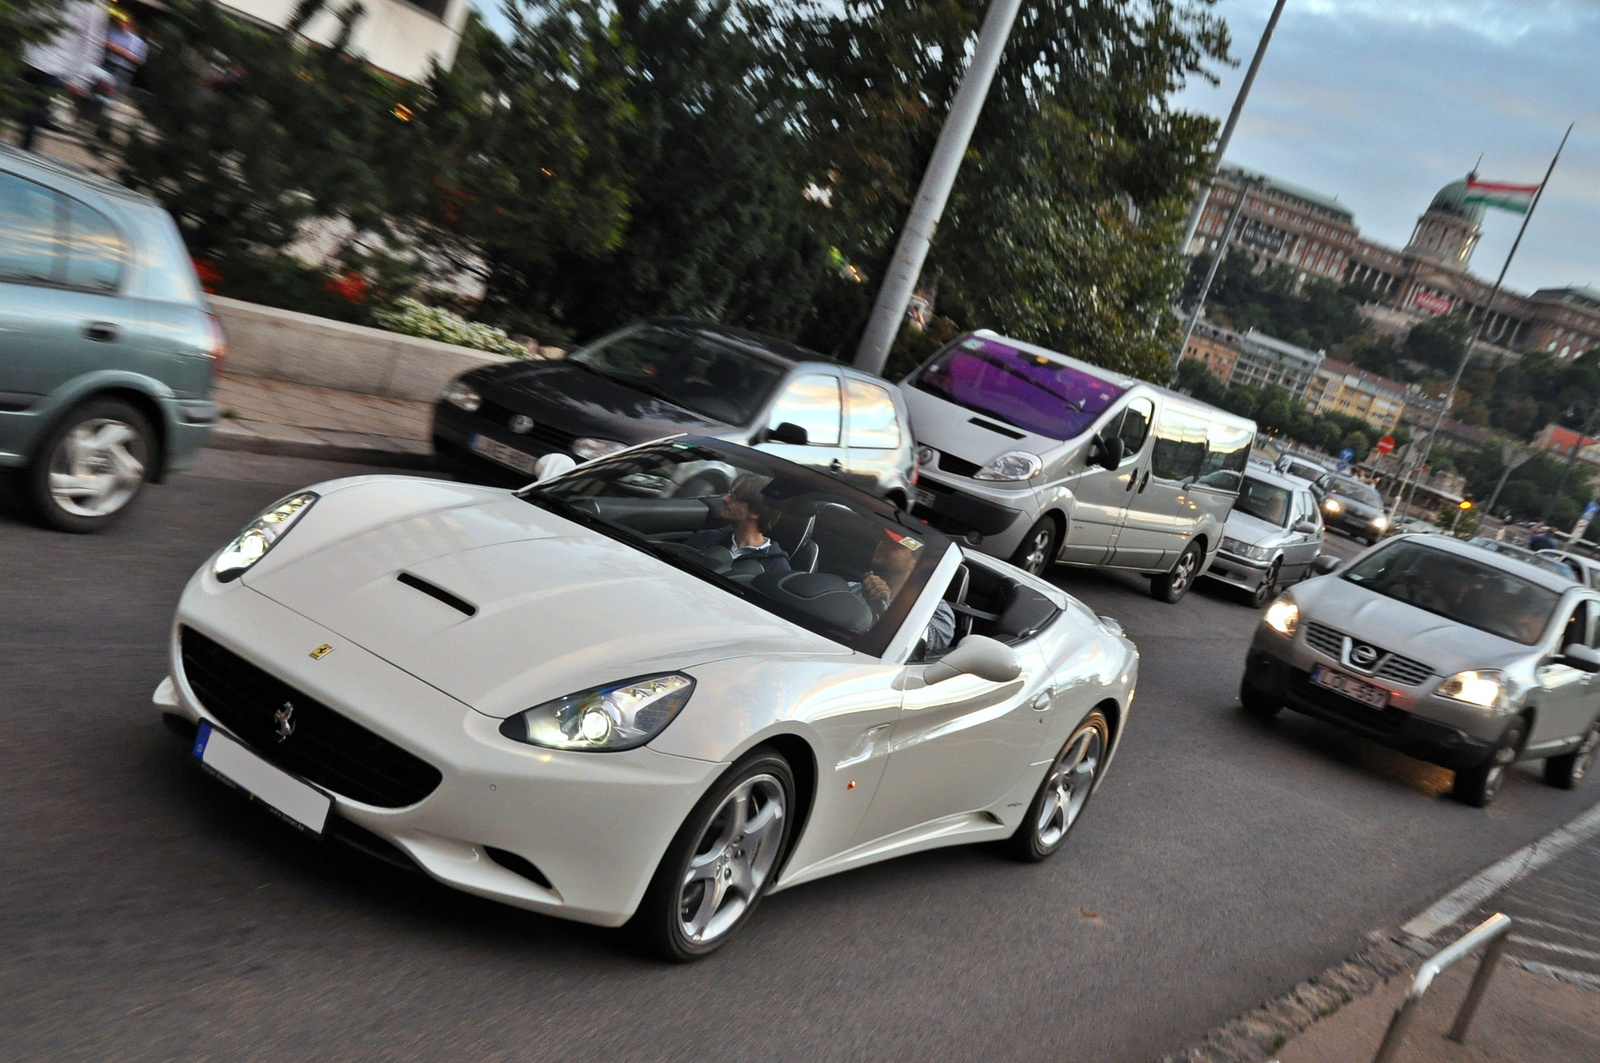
[{"x": 1492, "y": 931}]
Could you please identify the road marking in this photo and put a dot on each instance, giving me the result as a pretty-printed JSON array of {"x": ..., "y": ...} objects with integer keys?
[
  {"x": 1565, "y": 950},
  {"x": 1497, "y": 876},
  {"x": 1580, "y": 977}
]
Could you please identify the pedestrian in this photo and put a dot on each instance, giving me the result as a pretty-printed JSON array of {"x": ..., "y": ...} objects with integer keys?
[
  {"x": 70, "y": 60},
  {"x": 1542, "y": 539}
]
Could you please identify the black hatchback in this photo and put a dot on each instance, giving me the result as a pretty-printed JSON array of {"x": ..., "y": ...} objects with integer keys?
[{"x": 672, "y": 376}]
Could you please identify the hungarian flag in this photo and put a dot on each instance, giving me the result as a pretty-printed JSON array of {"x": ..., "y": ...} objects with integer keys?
[{"x": 1518, "y": 198}]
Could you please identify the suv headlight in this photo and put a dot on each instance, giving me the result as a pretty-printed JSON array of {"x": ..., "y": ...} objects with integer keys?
[
  {"x": 260, "y": 535},
  {"x": 1017, "y": 465},
  {"x": 1479, "y": 687},
  {"x": 589, "y": 449},
  {"x": 1283, "y": 616},
  {"x": 463, "y": 397},
  {"x": 611, "y": 717},
  {"x": 1243, "y": 549}
]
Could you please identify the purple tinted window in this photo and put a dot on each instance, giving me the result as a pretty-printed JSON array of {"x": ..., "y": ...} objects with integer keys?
[{"x": 1033, "y": 392}]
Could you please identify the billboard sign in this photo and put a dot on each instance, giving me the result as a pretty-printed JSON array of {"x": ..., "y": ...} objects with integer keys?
[{"x": 1431, "y": 303}]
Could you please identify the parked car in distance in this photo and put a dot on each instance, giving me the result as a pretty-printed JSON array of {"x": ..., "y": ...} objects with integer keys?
[
  {"x": 1415, "y": 526},
  {"x": 1526, "y": 556},
  {"x": 1301, "y": 468},
  {"x": 1351, "y": 506},
  {"x": 1585, "y": 570},
  {"x": 1270, "y": 538},
  {"x": 1038, "y": 457},
  {"x": 671, "y": 376},
  {"x": 1467, "y": 658},
  {"x": 107, "y": 344}
]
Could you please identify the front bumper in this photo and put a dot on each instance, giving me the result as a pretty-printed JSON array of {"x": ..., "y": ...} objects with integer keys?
[
  {"x": 958, "y": 512},
  {"x": 595, "y": 825},
  {"x": 1239, "y": 571},
  {"x": 1353, "y": 524},
  {"x": 1415, "y": 722}
]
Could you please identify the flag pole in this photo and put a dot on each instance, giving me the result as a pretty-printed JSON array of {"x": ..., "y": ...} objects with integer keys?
[{"x": 1488, "y": 311}]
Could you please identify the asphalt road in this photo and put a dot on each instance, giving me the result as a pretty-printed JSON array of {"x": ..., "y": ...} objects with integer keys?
[{"x": 150, "y": 914}]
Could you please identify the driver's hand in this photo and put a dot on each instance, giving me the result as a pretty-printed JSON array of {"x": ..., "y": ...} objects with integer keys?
[{"x": 876, "y": 591}]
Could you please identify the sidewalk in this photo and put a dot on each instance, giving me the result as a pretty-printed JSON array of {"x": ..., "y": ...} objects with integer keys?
[{"x": 294, "y": 420}]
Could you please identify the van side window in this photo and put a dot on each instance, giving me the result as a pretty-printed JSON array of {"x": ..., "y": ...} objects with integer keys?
[
  {"x": 812, "y": 402},
  {"x": 1135, "y": 425},
  {"x": 870, "y": 420},
  {"x": 95, "y": 251},
  {"x": 1227, "y": 454},
  {"x": 29, "y": 247},
  {"x": 1180, "y": 445}
]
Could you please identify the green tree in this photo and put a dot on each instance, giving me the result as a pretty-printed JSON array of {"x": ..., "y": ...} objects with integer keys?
[
  {"x": 22, "y": 22},
  {"x": 1358, "y": 442},
  {"x": 1315, "y": 313},
  {"x": 1438, "y": 342}
]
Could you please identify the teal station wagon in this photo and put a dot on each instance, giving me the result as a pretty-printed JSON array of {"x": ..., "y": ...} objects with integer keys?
[{"x": 107, "y": 345}]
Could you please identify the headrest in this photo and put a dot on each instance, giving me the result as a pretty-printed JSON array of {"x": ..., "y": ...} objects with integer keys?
[{"x": 818, "y": 594}]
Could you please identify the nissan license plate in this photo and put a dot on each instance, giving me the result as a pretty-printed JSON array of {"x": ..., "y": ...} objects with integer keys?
[
  {"x": 1350, "y": 687},
  {"x": 495, "y": 451},
  {"x": 298, "y": 803}
]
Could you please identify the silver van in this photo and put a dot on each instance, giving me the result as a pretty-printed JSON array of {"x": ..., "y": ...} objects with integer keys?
[{"x": 1037, "y": 457}]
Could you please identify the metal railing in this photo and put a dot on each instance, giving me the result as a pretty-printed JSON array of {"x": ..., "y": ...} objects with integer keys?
[{"x": 1492, "y": 932}]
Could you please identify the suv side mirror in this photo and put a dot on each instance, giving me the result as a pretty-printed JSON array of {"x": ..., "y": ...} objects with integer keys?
[
  {"x": 783, "y": 432},
  {"x": 1106, "y": 452},
  {"x": 1305, "y": 527},
  {"x": 1581, "y": 657},
  {"x": 977, "y": 655},
  {"x": 1324, "y": 564}
]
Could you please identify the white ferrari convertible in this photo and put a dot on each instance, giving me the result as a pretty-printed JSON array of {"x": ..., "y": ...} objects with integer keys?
[{"x": 652, "y": 689}]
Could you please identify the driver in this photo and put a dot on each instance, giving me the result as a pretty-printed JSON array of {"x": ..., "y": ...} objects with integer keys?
[
  {"x": 892, "y": 562},
  {"x": 749, "y": 519}
]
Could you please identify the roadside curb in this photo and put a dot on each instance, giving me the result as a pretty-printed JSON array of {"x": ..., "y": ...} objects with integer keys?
[
  {"x": 1256, "y": 1035},
  {"x": 328, "y": 445}
]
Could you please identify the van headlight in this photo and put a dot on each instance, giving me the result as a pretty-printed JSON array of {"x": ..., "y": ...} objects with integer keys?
[
  {"x": 1283, "y": 616},
  {"x": 605, "y": 718},
  {"x": 260, "y": 535},
  {"x": 1016, "y": 465},
  {"x": 1480, "y": 687}
]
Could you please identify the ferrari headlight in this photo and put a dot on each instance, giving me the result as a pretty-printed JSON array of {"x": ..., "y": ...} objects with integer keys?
[
  {"x": 1331, "y": 505},
  {"x": 588, "y": 449},
  {"x": 1283, "y": 616},
  {"x": 1016, "y": 465},
  {"x": 463, "y": 397},
  {"x": 1243, "y": 549},
  {"x": 612, "y": 717},
  {"x": 260, "y": 535},
  {"x": 1480, "y": 688}
]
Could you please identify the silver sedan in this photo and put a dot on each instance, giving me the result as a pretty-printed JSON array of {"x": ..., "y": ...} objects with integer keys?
[
  {"x": 1271, "y": 537},
  {"x": 1443, "y": 650}
]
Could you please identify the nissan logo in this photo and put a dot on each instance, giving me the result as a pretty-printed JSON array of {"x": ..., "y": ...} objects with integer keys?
[{"x": 1362, "y": 655}]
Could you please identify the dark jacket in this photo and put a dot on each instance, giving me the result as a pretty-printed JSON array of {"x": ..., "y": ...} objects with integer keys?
[{"x": 773, "y": 557}]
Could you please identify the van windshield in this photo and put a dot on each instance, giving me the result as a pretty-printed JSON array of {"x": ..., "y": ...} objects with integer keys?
[{"x": 1034, "y": 392}]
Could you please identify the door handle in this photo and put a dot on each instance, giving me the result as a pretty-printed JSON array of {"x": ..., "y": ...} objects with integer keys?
[
  {"x": 836, "y": 465},
  {"x": 101, "y": 331},
  {"x": 1144, "y": 482}
]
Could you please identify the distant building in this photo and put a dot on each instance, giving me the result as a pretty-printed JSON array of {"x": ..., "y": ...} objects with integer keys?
[
  {"x": 1216, "y": 346},
  {"x": 1337, "y": 387},
  {"x": 1265, "y": 362},
  {"x": 399, "y": 37},
  {"x": 1558, "y": 440}
]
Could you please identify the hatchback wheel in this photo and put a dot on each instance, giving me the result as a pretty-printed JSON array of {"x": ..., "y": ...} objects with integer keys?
[
  {"x": 1065, "y": 791},
  {"x": 1481, "y": 785},
  {"x": 91, "y": 466},
  {"x": 720, "y": 864},
  {"x": 1038, "y": 548},
  {"x": 1170, "y": 587},
  {"x": 1565, "y": 772}
]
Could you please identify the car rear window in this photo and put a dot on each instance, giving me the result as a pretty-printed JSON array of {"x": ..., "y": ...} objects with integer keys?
[
  {"x": 1035, "y": 392},
  {"x": 1470, "y": 592}
]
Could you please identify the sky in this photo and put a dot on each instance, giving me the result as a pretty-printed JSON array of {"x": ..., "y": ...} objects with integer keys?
[{"x": 1380, "y": 103}]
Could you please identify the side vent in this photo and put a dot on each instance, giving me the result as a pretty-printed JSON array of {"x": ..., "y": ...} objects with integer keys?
[
  {"x": 519, "y": 865},
  {"x": 460, "y": 605},
  {"x": 998, "y": 429}
]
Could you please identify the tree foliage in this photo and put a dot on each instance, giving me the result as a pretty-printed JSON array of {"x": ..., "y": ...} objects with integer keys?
[
  {"x": 1316, "y": 314},
  {"x": 22, "y": 22}
]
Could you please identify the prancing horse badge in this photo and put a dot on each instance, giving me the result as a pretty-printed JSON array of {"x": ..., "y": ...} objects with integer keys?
[{"x": 321, "y": 651}]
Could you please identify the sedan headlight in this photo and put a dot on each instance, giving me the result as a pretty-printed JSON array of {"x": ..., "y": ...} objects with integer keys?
[
  {"x": 589, "y": 449},
  {"x": 260, "y": 535},
  {"x": 1380, "y": 522},
  {"x": 1331, "y": 505},
  {"x": 1283, "y": 616},
  {"x": 1016, "y": 465},
  {"x": 463, "y": 397},
  {"x": 1481, "y": 688},
  {"x": 1244, "y": 549},
  {"x": 612, "y": 717}
]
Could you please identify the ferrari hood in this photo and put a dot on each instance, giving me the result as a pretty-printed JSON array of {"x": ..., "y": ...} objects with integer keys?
[{"x": 540, "y": 608}]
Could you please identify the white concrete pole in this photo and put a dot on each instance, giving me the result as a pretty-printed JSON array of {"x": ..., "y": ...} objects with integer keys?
[{"x": 912, "y": 249}]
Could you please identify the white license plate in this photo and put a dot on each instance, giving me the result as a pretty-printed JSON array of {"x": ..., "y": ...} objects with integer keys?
[
  {"x": 300, "y": 803},
  {"x": 924, "y": 496},
  {"x": 510, "y": 457},
  {"x": 1350, "y": 687}
]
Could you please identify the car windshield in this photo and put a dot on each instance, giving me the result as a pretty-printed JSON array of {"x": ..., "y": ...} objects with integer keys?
[
  {"x": 1474, "y": 593},
  {"x": 788, "y": 540},
  {"x": 1354, "y": 490},
  {"x": 1264, "y": 501},
  {"x": 1035, "y": 392},
  {"x": 685, "y": 367}
]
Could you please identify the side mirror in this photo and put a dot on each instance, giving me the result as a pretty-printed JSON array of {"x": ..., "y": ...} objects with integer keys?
[
  {"x": 977, "y": 655},
  {"x": 1324, "y": 564},
  {"x": 1581, "y": 657},
  {"x": 1305, "y": 527},
  {"x": 552, "y": 465},
  {"x": 784, "y": 432},
  {"x": 1106, "y": 453}
]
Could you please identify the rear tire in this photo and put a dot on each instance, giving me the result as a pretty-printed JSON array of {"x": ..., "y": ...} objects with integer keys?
[
  {"x": 1567, "y": 770},
  {"x": 91, "y": 466},
  {"x": 1170, "y": 587},
  {"x": 1479, "y": 786},
  {"x": 1039, "y": 546}
]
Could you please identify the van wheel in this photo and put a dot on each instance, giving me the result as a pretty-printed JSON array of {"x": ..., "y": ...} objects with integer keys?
[
  {"x": 1170, "y": 587},
  {"x": 91, "y": 466},
  {"x": 1038, "y": 547}
]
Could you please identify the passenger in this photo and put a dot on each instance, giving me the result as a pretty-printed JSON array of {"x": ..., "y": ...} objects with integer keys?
[
  {"x": 749, "y": 519},
  {"x": 881, "y": 584}
]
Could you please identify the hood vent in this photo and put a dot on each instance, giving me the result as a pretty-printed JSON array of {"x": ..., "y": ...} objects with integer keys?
[{"x": 434, "y": 591}]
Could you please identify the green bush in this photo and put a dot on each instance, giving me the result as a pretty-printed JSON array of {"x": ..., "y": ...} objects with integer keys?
[{"x": 431, "y": 323}]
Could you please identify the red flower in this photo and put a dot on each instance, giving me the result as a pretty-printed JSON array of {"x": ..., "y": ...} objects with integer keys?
[{"x": 352, "y": 287}]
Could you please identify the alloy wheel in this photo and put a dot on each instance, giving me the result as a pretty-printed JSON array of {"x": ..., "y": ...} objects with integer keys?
[
  {"x": 1268, "y": 587},
  {"x": 1496, "y": 777},
  {"x": 97, "y": 467},
  {"x": 1183, "y": 572},
  {"x": 1068, "y": 786},
  {"x": 1038, "y": 555},
  {"x": 732, "y": 859},
  {"x": 1585, "y": 758}
]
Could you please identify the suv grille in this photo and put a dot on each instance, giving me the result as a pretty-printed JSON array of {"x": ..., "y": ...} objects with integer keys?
[
  {"x": 1390, "y": 666},
  {"x": 326, "y": 748},
  {"x": 540, "y": 439}
]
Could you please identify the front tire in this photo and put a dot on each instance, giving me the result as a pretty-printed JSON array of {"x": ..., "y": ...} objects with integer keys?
[
  {"x": 1256, "y": 704},
  {"x": 1567, "y": 770},
  {"x": 1268, "y": 587},
  {"x": 1479, "y": 786},
  {"x": 91, "y": 466},
  {"x": 721, "y": 862},
  {"x": 1170, "y": 587},
  {"x": 1065, "y": 792},
  {"x": 1038, "y": 547}
]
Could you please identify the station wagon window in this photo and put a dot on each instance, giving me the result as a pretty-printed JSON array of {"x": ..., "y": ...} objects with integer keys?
[
  {"x": 28, "y": 224},
  {"x": 1180, "y": 447},
  {"x": 812, "y": 402},
  {"x": 95, "y": 251},
  {"x": 1136, "y": 425},
  {"x": 870, "y": 422}
]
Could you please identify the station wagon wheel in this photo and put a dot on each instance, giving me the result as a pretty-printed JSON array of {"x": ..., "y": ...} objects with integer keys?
[
  {"x": 1038, "y": 547},
  {"x": 91, "y": 465},
  {"x": 1268, "y": 587},
  {"x": 1567, "y": 770},
  {"x": 1170, "y": 587},
  {"x": 1066, "y": 789},
  {"x": 720, "y": 864}
]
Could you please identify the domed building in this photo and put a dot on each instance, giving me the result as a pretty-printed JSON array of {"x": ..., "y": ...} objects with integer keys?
[{"x": 1449, "y": 229}]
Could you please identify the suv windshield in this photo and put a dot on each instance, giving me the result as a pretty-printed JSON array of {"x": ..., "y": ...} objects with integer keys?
[
  {"x": 1264, "y": 501},
  {"x": 686, "y": 368},
  {"x": 1470, "y": 592},
  {"x": 788, "y": 540},
  {"x": 1354, "y": 490},
  {"x": 1035, "y": 392}
]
